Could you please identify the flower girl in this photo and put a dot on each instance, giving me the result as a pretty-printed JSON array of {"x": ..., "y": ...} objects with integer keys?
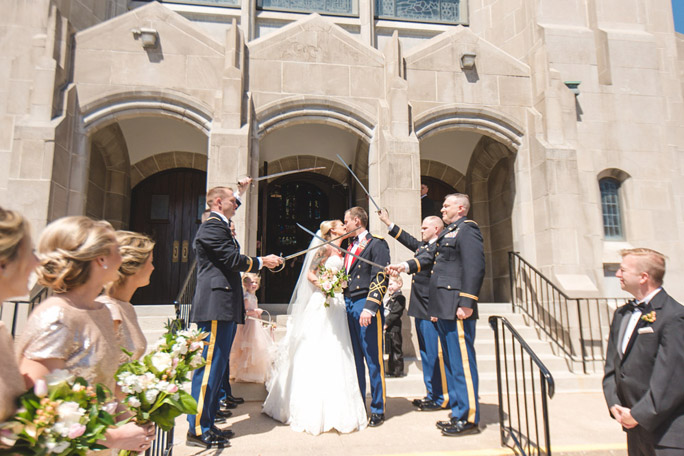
[{"x": 252, "y": 353}]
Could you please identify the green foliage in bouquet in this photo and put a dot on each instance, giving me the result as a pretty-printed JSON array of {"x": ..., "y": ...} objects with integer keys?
[
  {"x": 61, "y": 416},
  {"x": 154, "y": 384}
]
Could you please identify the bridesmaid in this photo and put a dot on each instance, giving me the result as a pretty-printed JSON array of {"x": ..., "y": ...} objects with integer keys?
[
  {"x": 17, "y": 261},
  {"x": 71, "y": 330},
  {"x": 136, "y": 268}
]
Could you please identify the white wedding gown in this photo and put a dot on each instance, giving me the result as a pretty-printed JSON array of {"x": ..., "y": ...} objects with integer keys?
[{"x": 313, "y": 386}]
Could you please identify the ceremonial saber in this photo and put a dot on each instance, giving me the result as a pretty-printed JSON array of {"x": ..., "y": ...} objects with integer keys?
[
  {"x": 359, "y": 181},
  {"x": 285, "y": 173},
  {"x": 302, "y": 252},
  {"x": 346, "y": 252}
]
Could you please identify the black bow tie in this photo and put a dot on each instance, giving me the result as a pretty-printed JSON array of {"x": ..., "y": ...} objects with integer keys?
[
  {"x": 633, "y": 305},
  {"x": 355, "y": 239}
]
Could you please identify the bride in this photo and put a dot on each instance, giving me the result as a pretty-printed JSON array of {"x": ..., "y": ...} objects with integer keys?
[{"x": 313, "y": 386}]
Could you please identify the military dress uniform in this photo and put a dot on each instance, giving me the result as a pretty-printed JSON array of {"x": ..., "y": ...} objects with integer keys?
[
  {"x": 217, "y": 307},
  {"x": 365, "y": 289},
  {"x": 431, "y": 354},
  {"x": 458, "y": 269}
]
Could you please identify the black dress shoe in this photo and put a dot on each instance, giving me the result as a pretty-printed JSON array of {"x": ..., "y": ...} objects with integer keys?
[
  {"x": 235, "y": 400},
  {"x": 227, "y": 405},
  {"x": 429, "y": 406},
  {"x": 447, "y": 423},
  {"x": 225, "y": 433},
  {"x": 207, "y": 440},
  {"x": 376, "y": 419},
  {"x": 461, "y": 428},
  {"x": 221, "y": 413},
  {"x": 417, "y": 402}
]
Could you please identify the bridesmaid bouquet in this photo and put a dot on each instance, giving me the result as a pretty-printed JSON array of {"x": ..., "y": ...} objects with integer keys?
[
  {"x": 62, "y": 415},
  {"x": 331, "y": 281},
  {"x": 154, "y": 384}
]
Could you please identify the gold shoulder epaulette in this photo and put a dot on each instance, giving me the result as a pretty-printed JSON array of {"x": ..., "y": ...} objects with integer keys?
[
  {"x": 472, "y": 221},
  {"x": 379, "y": 237},
  {"x": 213, "y": 218}
]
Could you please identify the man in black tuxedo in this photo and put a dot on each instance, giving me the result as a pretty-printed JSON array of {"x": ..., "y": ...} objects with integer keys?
[
  {"x": 431, "y": 353},
  {"x": 645, "y": 359},
  {"x": 217, "y": 307},
  {"x": 366, "y": 287},
  {"x": 427, "y": 206},
  {"x": 458, "y": 269}
]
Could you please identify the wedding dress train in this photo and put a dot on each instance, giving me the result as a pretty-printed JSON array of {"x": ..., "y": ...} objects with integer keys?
[{"x": 313, "y": 386}]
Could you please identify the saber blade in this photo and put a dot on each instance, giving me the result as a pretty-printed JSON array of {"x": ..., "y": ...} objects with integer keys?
[
  {"x": 285, "y": 173},
  {"x": 302, "y": 252},
  {"x": 346, "y": 252},
  {"x": 359, "y": 181}
]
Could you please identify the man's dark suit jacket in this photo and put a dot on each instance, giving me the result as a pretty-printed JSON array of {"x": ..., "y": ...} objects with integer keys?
[
  {"x": 420, "y": 286},
  {"x": 366, "y": 280},
  {"x": 649, "y": 377},
  {"x": 219, "y": 286},
  {"x": 396, "y": 305},
  {"x": 458, "y": 269},
  {"x": 427, "y": 207}
]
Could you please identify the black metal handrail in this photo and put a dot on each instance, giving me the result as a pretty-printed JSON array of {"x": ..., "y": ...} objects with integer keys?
[
  {"x": 521, "y": 424},
  {"x": 22, "y": 308},
  {"x": 183, "y": 301},
  {"x": 577, "y": 326}
]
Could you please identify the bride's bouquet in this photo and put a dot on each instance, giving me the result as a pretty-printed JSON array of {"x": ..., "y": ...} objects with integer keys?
[
  {"x": 331, "y": 281},
  {"x": 61, "y": 415}
]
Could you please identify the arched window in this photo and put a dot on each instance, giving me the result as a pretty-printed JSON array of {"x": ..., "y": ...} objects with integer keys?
[{"x": 610, "y": 204}]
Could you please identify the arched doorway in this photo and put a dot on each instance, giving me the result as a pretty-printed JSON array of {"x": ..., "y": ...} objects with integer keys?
[
  {"x": 168, "y": 206},
  {"x": 305, "y": 198}
]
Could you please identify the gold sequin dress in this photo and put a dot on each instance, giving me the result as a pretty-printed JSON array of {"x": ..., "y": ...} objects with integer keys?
[
  {"x": 129, "y": 334},
  {"x": 11, "y": 381},
  {"x": 83, "y": 338}
]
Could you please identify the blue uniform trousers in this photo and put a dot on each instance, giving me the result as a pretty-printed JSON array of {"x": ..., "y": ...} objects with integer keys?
[
  {"x": 225, "y": 386},
  {"x": 432, "y": 361},
  {"x": 458, "y": 338},
  {"x": 368, "y": 344},
  {"x": 206, "y": 381}
]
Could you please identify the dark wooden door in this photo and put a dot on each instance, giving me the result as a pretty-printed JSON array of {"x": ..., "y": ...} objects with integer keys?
[
  {"x": 168, "y": 207},
  {"x": 307, "y": 199}
]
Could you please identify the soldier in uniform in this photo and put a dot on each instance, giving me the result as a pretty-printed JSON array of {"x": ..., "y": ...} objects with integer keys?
[
  {"x": 363, "y": 297},
  {"x": 458, "y": 269},
  {"x": 431, "y": 354},
  {"x": 217, "y": 307}
]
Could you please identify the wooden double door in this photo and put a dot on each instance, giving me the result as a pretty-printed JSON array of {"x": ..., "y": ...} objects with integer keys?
[{"x": 168, "y": 207}]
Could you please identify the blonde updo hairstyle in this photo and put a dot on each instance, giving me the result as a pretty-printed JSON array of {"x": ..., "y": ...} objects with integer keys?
[
  {"x": 67, "y": 248},
  {"x": 326, "y": 226},
  {"x": 14, "y": 228},
  {"x": 135, "y": 249}
]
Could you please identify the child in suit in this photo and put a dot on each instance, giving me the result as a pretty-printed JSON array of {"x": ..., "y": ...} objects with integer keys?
[
  {"x": 251, "y": 355},
  {"x": 394, "y": 304}
]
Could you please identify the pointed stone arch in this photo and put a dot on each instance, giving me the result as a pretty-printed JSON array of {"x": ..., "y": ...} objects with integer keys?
[
  {"x": 165, "y": 161},
  {"x": 479, "y": 120},
  {"x": 490, "y": 184},
  {"x": 306, "y": 109},
  {"x": 123, "y": 105},
  {"x": 443, "y": 172},
  {"x": 108, "y": 194}
]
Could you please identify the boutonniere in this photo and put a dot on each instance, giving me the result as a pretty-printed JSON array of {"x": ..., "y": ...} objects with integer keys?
[{"x": 649, "y": 317}]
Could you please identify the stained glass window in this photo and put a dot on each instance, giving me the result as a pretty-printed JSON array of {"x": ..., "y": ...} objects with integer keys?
[
  {"x": 420, "y": 10},
  {"x": 610, "y": 204},
  {"x": 207, "y": 2},
  {"x": 341, "y": 7}
]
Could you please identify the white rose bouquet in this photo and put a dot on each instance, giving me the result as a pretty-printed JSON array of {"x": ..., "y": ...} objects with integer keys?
[
  {"x": 154, "y": 384},
  {"x": 331, "y": 281},
  {"x": 61, "y": 415}
]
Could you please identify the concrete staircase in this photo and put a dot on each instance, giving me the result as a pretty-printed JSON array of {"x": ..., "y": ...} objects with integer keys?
[{"x": 153, "y": 318}]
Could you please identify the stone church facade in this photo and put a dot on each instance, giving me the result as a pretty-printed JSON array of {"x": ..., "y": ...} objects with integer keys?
[{"x": 562, "y": 119}]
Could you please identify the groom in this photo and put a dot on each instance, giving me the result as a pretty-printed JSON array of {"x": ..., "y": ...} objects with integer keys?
[{"x": 363, "y": 297}]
